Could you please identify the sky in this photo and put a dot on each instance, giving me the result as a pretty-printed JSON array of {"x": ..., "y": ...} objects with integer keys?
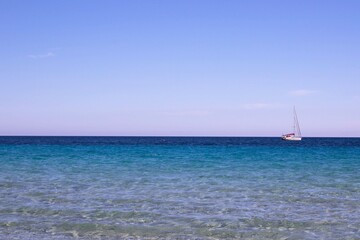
[{"x": 179, "y": 68}]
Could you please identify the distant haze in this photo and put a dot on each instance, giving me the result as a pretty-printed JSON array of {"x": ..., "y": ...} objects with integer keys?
[{"x": 179, "y": 68}]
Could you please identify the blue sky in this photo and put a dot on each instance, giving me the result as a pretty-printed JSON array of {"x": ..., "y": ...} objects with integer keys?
[{"x": 199, "y": 68}]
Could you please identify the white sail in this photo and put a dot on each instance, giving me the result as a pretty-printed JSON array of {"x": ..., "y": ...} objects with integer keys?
[{"x": 296, "y": 134}]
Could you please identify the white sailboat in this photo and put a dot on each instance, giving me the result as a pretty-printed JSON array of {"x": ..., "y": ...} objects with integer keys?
[{"x": 296, "y": 134}]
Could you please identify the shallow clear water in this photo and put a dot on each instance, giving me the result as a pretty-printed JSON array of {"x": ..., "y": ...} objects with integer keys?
[{"x": 179, "y": 188}]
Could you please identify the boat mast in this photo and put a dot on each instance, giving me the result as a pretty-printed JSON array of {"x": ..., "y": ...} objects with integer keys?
[{"x": 296, "y": 123}]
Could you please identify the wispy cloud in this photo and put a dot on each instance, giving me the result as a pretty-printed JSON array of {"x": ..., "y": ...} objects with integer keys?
[
  {"x": 301, "y": 92},
  {"x": 255, "y": 106},
  {"x": 191, "y": 113},
  {"x": 39, "y": 56}
]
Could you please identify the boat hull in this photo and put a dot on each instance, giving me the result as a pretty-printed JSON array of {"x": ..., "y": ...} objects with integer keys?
[{"x": 291, "y": 138}]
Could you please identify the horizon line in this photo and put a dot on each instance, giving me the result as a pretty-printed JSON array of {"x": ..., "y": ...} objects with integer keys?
[{"x": 172, "y": 136}]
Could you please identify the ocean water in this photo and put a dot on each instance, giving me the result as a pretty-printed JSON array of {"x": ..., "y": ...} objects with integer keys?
[{"x": 179, "y": 188}]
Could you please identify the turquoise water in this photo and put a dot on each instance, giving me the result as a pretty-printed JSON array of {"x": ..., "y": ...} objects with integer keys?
[{"x": 179, "y": 188}]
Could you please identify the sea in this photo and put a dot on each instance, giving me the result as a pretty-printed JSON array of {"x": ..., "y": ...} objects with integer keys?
[{"x": 179, "y": 188}]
